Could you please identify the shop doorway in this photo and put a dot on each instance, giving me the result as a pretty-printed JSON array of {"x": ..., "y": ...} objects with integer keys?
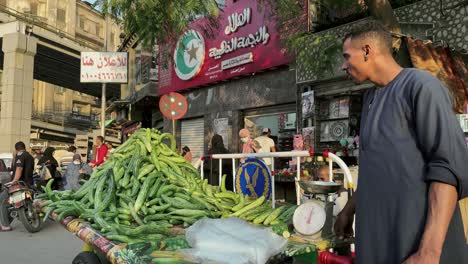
[
  {"x": 193, "y": 135},
  {"x": 281, "y": 120}
]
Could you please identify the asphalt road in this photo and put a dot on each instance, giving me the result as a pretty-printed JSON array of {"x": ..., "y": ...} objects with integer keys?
[{"x": 52, "y": 245}]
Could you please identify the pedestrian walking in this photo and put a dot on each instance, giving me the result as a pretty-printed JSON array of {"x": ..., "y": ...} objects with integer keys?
[
  {"x": 212, "y": 166},
  {"x": 267, "y": 145},
  {"x": 187, "y": 154},
  {"x": 413, "y": 165},
  {"x": 249, "y": 145},
  {"x": 74, "y": 172},
  {"x": 67, "y": 158},
  {"x": 51, "y": 164},
  {"x": 101, "y": 152}
]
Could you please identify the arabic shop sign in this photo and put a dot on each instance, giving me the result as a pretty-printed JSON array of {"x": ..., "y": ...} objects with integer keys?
[
  {"x": 245, "y": 41},
  {"x": 103, "y": 67},
  {"x": 235, "y": 21}
]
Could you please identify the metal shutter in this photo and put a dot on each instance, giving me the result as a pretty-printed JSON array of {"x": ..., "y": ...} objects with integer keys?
[{"x": 192, "y": 136}]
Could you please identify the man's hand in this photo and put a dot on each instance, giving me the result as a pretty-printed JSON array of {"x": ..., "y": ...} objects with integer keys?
[
  {"x": 442, "y": 204},
  {"x": 92, "y": 165},
  {"x": 81, "y": 171},
  {"x": 344, "y": 221},
  {"x": 344, "y": 225},
  {"x": 423, "y": 258}
]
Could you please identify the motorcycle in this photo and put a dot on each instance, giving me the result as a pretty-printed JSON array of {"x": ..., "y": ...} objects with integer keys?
[{"x": 20, "y": 199}]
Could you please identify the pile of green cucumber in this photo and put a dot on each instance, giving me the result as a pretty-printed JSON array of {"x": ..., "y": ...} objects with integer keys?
[{"x": 145, "y": 188}]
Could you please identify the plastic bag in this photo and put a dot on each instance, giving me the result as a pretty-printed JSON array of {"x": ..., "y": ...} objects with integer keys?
[{"x": 232, "y": 241}]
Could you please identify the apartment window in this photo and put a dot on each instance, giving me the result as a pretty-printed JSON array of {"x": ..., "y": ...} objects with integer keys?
[
  {"x": 59, "y": 90},
  {"x": 82, "y": 22},
  {"x": 3, "y": 3},
  {"x": 77, "y": 109},
  {"x": 61, "y": 17},
  {"x": 58, "y": 107},
  {"x": 98, "y": 29},
  {"x": 34, "y": 6},
  {"x": 42, "y": 8},
  {"x": 112, "y": 37}
]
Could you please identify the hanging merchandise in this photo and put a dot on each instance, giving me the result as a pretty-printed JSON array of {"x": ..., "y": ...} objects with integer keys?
[
  {"x": 343, "y": 142},
  {"x": 333, "y": 130},
  {"x": 308, "y": 134},
  {"x": 298, "y": 142},
  {"x": 308, "y": 104}
]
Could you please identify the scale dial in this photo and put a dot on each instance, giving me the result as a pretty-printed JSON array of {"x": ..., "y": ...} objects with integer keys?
[{"x": 309, "y": 218}]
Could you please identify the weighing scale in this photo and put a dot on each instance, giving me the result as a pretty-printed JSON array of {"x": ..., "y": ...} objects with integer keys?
[
  {"x": 315, "y": 215},
  {"x": 314, "y": 218}
]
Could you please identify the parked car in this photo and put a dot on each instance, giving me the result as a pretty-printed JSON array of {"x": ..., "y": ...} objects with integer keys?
[
  {"x": 7, "y": 158},
  {"x": 5, "y": 176}
]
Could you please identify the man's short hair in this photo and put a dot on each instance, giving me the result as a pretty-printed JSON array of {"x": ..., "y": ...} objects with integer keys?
[
  {"x": 100, "y": 138},
  {"x": 20, "y": 146},
  {"x": 372, "y": 30}
]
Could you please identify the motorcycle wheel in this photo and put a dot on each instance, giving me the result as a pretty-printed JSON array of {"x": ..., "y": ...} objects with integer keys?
[
  {"x": 10, "y": 219},
  {"x": 30, "y": 218},
  {"x": 86, "y": 258}
]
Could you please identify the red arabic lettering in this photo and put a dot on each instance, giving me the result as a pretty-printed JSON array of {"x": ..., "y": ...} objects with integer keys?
[
  {"x": 88, "y": 61},
  {"x": 100, "y": 63}
]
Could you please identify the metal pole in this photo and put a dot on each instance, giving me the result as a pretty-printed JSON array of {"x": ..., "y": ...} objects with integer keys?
[
  {"x": 298, "y": 178},
  {"x": 220, "y": 170},
  {"x": 273, "y": 198},
  {"x": 103, "y": 95},
  {"x": 202, "y": 173},
  {"x": 173, "y": 128},
  {"x": 103, "y": 111},
  {"x": 234, "y": 175}
]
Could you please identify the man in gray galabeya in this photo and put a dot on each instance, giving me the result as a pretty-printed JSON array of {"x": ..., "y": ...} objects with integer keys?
[{"x": 413, "y": 165}]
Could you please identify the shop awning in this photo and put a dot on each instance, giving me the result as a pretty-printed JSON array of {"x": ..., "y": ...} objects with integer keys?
[
  {"x": 116, "y": 105},
  {"x": 130, "y": 127},
  {"x": 108, "y": 122},
  {"x": 148, "y": 90}
]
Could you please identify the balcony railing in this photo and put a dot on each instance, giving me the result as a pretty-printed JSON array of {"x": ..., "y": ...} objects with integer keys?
[{"x": 66, "y": 119}]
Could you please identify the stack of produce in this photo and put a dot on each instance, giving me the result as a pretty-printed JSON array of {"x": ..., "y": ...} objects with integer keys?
[{"x": 146, "y": 187}]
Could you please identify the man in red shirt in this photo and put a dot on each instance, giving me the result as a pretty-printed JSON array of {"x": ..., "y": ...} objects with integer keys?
[{"x": 101, "y": 152}]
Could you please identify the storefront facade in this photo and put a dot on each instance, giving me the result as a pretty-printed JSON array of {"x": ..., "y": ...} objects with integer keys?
[
  {"x": 264, "y": 100},
  {"x": 236, "y": 77}
]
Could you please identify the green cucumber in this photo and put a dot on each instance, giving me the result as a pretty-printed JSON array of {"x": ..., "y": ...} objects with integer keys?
[
  {"x": 256, "y": 203},
  {"x": 144, "y": 192},
  {"x": 275, "y": 214}
]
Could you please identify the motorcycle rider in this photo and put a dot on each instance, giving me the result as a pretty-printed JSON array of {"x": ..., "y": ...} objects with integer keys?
[{"x": 23, "y": 167}]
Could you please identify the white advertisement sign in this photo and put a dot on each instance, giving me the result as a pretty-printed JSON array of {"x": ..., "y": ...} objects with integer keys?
[
  {"x": 104, "y": 67},
  {"x": 237, "y": 61}
]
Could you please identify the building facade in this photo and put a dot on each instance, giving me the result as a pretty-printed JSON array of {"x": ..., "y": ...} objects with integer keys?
[{"x": 56, "y": 31}]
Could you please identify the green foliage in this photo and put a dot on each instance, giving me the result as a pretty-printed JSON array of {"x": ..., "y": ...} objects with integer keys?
[
  {"x": 158, "y": 19},
  {"x": 317, "y": 53},
  {"x": 165, "y": 20}
]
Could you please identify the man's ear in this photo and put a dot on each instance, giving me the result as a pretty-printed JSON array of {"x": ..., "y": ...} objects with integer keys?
[{"x": 366, "y": 50}]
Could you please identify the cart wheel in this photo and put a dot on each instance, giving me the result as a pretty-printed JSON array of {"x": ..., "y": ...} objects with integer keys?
[{"x": 86, "y": 257}]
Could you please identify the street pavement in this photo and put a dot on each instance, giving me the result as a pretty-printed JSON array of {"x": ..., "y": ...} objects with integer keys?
[{"x": 52, "y": 245}]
